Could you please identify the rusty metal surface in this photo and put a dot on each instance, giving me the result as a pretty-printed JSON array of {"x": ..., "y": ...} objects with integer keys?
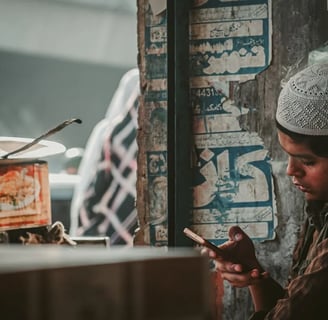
[{"x": 56, "y": 284}]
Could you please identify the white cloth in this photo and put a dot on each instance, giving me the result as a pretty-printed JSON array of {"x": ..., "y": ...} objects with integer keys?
[{"x": 118, "y": 106}]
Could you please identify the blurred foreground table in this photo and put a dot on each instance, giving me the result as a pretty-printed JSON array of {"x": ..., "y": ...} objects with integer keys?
[{"x": 92, "y": 283}]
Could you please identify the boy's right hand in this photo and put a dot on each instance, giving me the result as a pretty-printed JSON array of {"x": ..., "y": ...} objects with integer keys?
[{"x": 243, "y": 271}]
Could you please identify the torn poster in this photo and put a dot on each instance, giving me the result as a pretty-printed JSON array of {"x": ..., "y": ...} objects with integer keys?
[
  {"x": 232, "y": 184},
  {"x": 230, "y": 40}
]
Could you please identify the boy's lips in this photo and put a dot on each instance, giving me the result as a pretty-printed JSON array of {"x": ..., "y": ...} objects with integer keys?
[{"x": 301, "y": 187}]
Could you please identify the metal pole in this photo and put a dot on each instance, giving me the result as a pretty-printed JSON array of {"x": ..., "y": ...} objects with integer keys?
[{"x": 179, "y": 122}]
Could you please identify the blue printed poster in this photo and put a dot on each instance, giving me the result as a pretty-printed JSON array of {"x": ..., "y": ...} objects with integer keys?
[{"x": 230, "y": 41}]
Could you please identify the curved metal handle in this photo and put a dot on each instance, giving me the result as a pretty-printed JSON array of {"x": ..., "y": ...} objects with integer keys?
[{"x": 43, "y": 136}]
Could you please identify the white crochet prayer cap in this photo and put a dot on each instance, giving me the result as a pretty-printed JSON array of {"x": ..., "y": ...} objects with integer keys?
[{"x": 303, "y": 102}]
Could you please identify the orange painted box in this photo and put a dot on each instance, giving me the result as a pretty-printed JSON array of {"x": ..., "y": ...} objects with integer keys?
[{"x": 24, "y": 194}]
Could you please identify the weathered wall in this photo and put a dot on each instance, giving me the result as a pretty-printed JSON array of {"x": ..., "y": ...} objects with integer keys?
[
  {"x": 152, "y": 140},
  {"x": 298, "y": 27}
]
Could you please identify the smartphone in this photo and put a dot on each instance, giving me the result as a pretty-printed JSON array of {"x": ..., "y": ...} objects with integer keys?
[
  {"x": 219, "y": 252},
  {"x": 203, "y": 242}
]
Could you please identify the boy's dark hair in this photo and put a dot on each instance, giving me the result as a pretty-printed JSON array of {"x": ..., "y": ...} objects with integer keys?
[{"x": 317, "y": 144}]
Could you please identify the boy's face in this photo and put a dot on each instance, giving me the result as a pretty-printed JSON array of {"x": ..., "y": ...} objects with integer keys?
[{"x": 309, "y": 172}]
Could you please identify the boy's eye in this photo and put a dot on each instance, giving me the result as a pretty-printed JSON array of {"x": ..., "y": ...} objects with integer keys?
[{"x": 308, "y": 162}]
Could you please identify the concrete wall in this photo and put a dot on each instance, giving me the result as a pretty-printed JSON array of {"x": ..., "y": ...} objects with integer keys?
[
  {"x": 62, "y": 59},
  {"x": 87, "y": 31}
]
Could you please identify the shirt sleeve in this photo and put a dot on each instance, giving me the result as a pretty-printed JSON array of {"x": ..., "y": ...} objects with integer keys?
[{"x": 306, "y": 294}]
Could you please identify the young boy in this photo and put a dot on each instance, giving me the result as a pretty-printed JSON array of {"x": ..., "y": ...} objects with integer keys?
[{"x": 302, "y": 123}]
